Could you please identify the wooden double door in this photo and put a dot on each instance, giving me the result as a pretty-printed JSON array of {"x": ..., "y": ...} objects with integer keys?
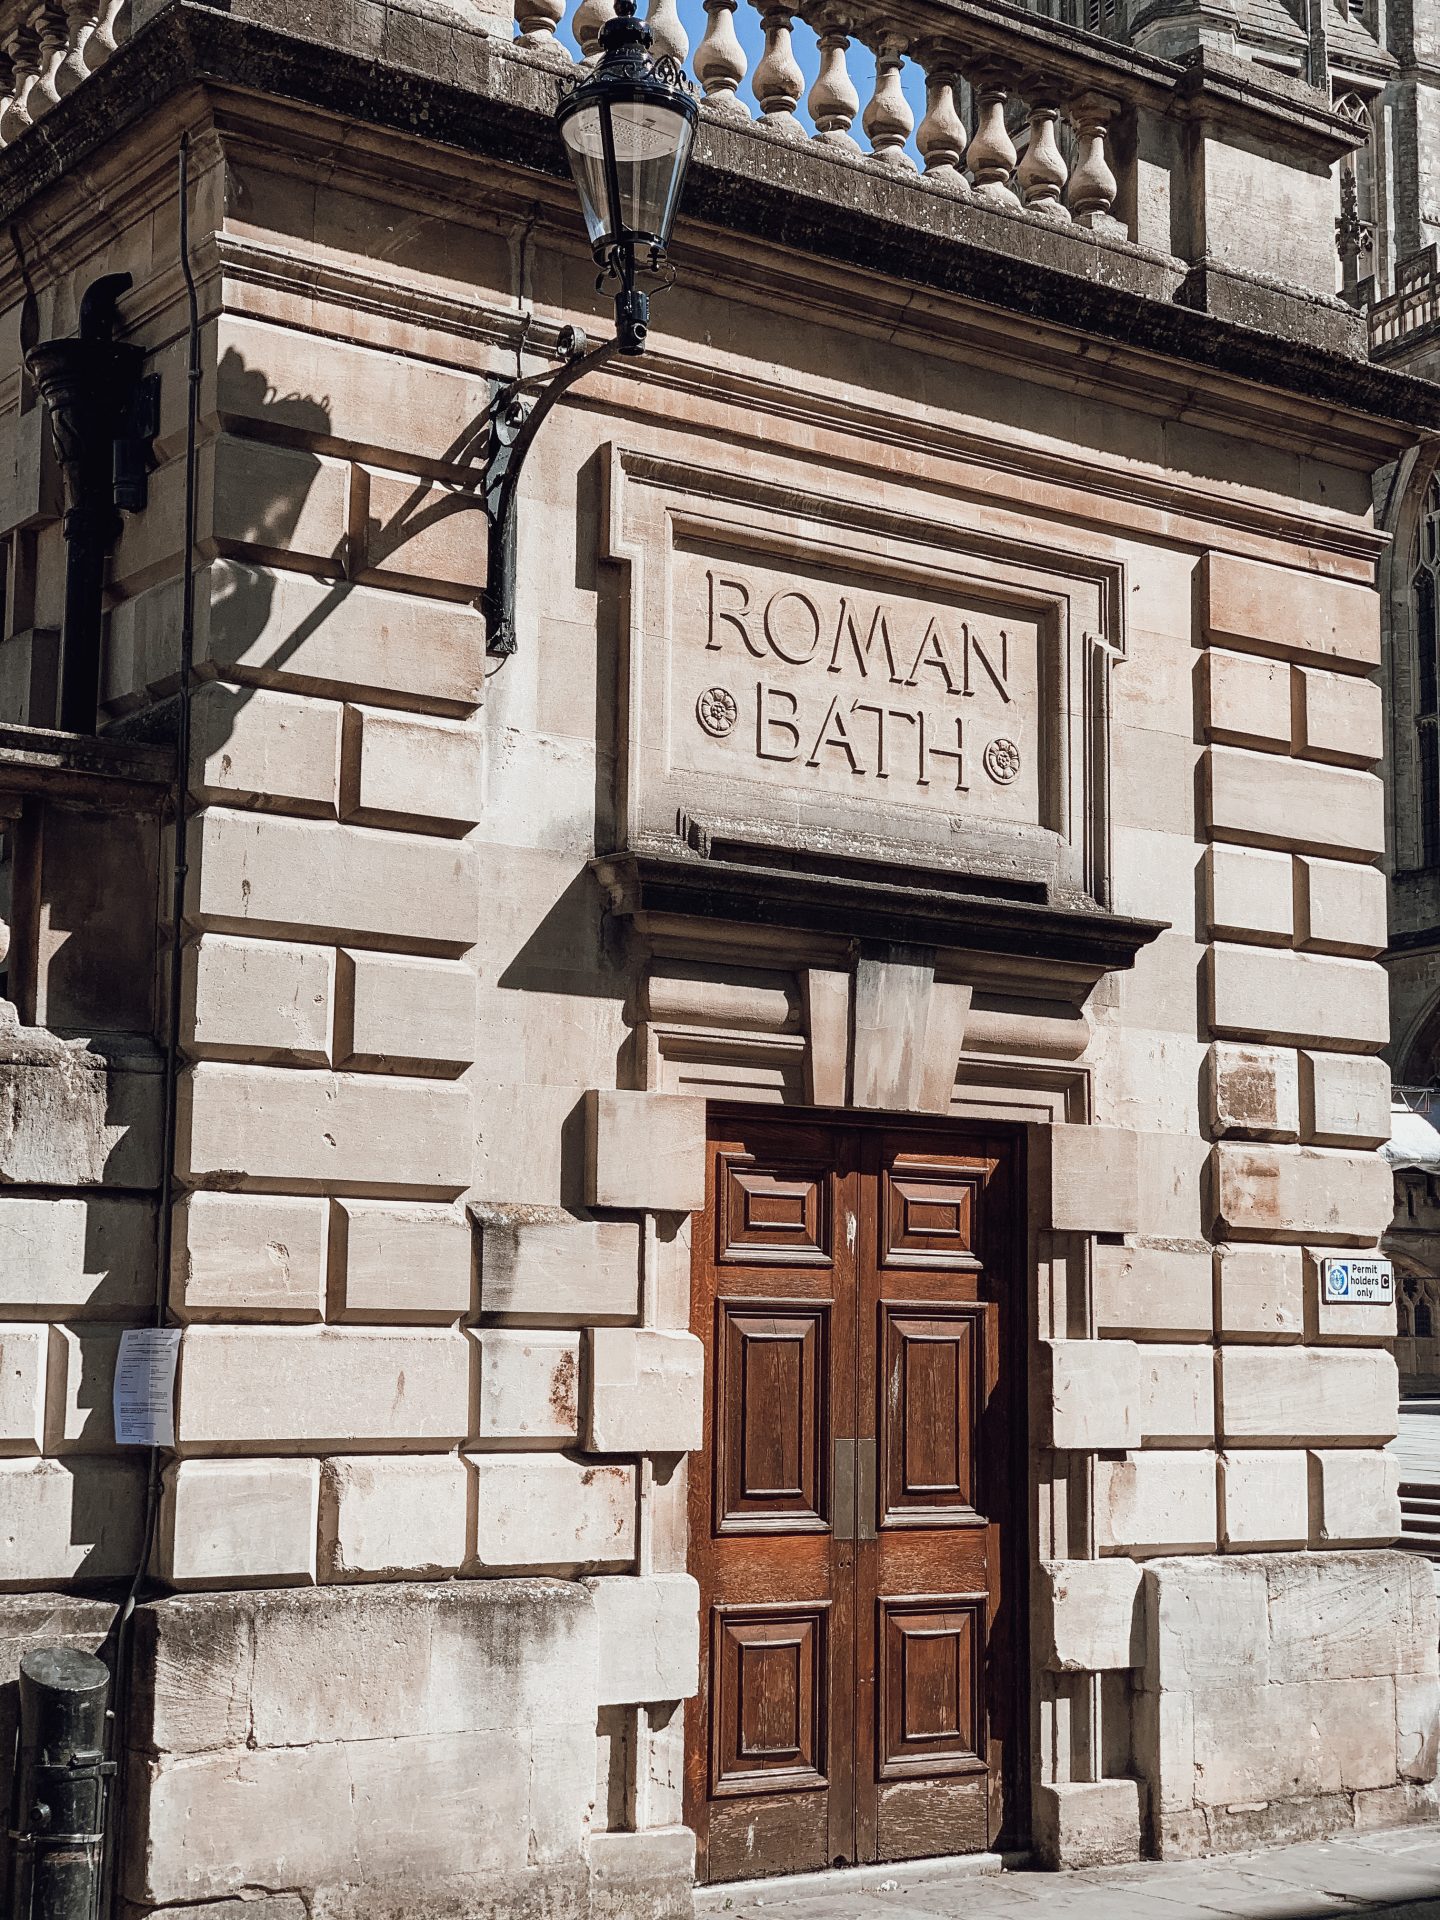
[{"x": 856, "y": 1518}]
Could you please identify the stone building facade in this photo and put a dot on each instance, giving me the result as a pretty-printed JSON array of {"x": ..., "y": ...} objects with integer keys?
[{"x": 744, "y": 1190}]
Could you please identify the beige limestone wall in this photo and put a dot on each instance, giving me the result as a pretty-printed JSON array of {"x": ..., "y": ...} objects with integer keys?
[{"x": 442, "y": 1111}]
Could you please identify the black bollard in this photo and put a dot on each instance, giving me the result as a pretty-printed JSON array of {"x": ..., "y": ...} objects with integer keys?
[{"x": 57, "y": 1832}]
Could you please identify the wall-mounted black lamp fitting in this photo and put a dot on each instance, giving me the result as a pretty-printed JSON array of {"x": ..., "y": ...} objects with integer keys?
[
  {"x": 104, "y": 415},
  {"x": 628, "y": 127}
]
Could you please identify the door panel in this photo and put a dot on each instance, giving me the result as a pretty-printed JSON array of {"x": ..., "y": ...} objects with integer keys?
[
  {"x": 857, "y": 1285},
  {"x": 771, "y": 1385}
]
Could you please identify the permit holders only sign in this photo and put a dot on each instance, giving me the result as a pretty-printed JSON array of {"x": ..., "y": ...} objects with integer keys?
[{"x": 1360, "y": 1283}]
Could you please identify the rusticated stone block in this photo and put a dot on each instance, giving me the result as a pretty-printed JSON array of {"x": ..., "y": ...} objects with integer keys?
[
  {"x": 1088, "y": 1615},
  {"x": 236, "y": 1522},
  {"x": 258, "y": 1000},
  {"x": 255, "y": 871},
  {"x": 645, "y": 1150},
  {"x": 275, "y": 498},
  {"x": 82, "y": 1519},
  {"x": 253, "y": 744},
  {"x": 422, "y": 532},
  {"x": 1286, "y": 1396},
  {"x": 404, "y": 1262},
  {"x": 1340, "y": 717},
  {"x": 648, "y": 1637},
  {"x": 1091, "y": 1390},
  {"x": 409, "y": 1011},
  {"x": 91, "y": 1256},
  {"x": 1342, "y": 907},
  {"x": 1245, "y": 699},
  {"x": 529, "y": 1385},
  {"x": 646, "y": 1391},
  {"x": 1270, "y": 802},
  {"x": 1344, "y": 1099},
  {"x": 1251, "y": 604},
  {"x": 1147, "y": 1291},
  {"x": 1354, "y": 1498},
  {"x": 321, "y": 636},
  {"x": 540, "y": 1263},
  {"x": 1156, "y": 1502},
  {"x": 386, "y": 1517},
  {"x": 251, "y": 1389},
  {"x": 1249, "y": 894},
  {"x": 1263, "y": 1192},
  {"x": 271, "y": 1124},
  {"x": 23, "y": 1354},
  {"x": 1253, "y": 1091},
  {"x": 1087, "y": 1178},
  {"x": 79, "y": 1388},
  {"x": 544, "y": 1510},
  {"x": 402, "y": 767},
  {"x": 1258, "y": 993},
  {"x": 1264, "y": 1500},
  {"x": 1176, "y": 1394},
  {"x": 1259, "y": 1293},
  {"x": 237, "y": 1256}
]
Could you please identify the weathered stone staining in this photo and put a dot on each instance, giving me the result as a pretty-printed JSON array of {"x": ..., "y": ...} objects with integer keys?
[{"x": 943, "y": 707}]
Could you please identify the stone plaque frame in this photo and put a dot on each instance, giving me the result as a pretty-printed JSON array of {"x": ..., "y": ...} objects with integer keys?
[{"x": 661, "y": 509}]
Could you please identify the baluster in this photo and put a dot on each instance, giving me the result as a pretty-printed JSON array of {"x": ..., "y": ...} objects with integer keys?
[
  {"x": 21, "y": 46},
  {"x": 778, "y": 79},
  {"x": 720, "y": 61},
  {"x": 7, "y": 92},
  {"x": 590, "y": 18},
  {"x": 106, "y": 36},
  {"x": 991, "y": 154},
  {"x": 888, "y": 121},
  {"x": 48, "y": 23},
  {"x": 833, "y": 101},
  {"x": 1042, "y": 173},
  {"x": 538, "y": 21},
  {"x": 81, "y": 19},
  {"x": 1093, "y": 186},
  {"x": 941, "y": 135},
  {"x": 669, "y": 37}
]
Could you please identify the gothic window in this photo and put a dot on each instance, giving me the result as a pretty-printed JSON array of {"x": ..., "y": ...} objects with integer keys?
[
  {"x": 1355, "y": 224},
  {"x": 1424, "y": 1327},
  {"x": 1426, "y": 589}
]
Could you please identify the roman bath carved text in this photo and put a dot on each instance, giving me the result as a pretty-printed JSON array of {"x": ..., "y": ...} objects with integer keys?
[{"x": 866, "y": 687}]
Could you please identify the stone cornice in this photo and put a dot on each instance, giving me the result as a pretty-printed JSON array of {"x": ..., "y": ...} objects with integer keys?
[{"x": 441, "y": 83}]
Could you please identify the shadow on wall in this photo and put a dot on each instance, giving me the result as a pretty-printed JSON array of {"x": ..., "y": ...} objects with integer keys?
[{"x": 243, "y": 612}]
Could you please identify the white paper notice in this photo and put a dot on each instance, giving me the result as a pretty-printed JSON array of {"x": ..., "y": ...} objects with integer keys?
[{"x": 145, "y": 1387}]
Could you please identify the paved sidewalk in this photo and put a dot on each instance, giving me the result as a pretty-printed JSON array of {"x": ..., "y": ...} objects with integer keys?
[{"x": 1378, "y": 1875}]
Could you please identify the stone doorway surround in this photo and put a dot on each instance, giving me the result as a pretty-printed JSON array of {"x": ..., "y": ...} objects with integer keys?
[{"x": 912, "y": 1042}]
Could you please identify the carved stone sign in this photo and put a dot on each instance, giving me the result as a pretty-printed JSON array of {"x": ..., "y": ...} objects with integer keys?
[
  {"x": 809, "y": 672},
  {"x": 834, "y": 684}
]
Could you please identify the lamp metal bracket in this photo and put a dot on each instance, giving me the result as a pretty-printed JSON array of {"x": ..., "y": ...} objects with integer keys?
[{"x": 516, "y": 412}]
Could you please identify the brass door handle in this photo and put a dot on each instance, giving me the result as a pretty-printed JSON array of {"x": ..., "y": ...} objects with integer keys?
[
  {"x": 842, "y": 1495},
  {"x": 853, "y": 1490}
]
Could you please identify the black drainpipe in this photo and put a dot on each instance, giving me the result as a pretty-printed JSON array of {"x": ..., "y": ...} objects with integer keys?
[{"x": 102, "y": 420}]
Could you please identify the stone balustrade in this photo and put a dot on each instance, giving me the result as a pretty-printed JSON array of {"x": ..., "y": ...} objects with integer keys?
[
  {"x": 47, "y": 50},
  {"x": 1412, "y": 312},
  {"x": 1024, "y": 115}
]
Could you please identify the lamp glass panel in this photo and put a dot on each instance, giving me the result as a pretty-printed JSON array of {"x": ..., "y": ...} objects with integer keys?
[
  {"x": 652, "y": 145},
  {"x": 585, "y": 149}
]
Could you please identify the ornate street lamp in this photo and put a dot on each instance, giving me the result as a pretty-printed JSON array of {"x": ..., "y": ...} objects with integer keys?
[{"x": 627, "y": 127}]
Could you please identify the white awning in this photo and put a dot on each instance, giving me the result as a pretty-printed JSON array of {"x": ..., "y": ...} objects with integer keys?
[{"x": 1413, "y": 1141}]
